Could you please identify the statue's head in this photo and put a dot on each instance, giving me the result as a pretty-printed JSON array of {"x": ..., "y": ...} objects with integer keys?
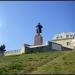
[{"x": 39, "y": 23}]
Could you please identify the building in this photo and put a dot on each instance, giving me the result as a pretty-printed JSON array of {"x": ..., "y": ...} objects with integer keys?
[{"x": 66, "y": 39}]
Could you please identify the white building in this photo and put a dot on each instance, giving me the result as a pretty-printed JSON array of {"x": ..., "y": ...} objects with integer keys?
[{"x": 66, "y": 39}]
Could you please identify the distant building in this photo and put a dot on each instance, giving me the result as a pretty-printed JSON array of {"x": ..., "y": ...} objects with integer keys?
[{"x": 66, "y": 39}]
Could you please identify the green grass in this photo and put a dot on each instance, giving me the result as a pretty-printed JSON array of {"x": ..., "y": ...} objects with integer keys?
[
  {"x": 40, "y": 62},
  {"x": 62, "y": 65}
]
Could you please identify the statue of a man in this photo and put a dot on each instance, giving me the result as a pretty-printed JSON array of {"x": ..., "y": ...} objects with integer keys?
[{"x": 38, "y": 28}]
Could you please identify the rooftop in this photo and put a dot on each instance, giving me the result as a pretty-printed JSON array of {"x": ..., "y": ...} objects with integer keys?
[{"x": 64, "y": 35}]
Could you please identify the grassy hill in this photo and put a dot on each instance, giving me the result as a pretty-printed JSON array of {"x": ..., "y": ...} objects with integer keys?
[{"x": 45, "y": 62}]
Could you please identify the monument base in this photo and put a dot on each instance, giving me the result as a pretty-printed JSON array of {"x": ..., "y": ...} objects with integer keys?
[{"x": 38, "y": 40}]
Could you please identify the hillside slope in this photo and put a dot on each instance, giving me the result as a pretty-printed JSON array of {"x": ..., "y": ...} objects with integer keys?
[
  {"x": 44, "y": 62},
  {"x": 65, "y": 64}
]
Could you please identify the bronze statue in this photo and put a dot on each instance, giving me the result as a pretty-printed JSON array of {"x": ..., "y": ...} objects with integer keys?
[{"x": 38, "y": 29}]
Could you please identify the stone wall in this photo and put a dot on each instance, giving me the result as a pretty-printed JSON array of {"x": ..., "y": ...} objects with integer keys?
[
  {"x": 39, "y": 48},
  {"x": 50, "y": 46},
  {"x": 42, "y": 48},
  {"x": 17, "y": 52},
  {"x": 57, "y": 46},
  {"x": 13, "y": 52},
  {"x": 54, "y": 46}
]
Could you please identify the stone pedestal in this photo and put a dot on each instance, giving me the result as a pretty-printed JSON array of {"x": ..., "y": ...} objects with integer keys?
[{"x": 38, "y": 40}]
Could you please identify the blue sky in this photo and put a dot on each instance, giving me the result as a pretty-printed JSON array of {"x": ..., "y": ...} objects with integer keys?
[{"x": 19, "y": 18}]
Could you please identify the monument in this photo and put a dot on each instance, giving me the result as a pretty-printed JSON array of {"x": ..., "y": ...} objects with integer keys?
[{"x": 38, "y": 39}]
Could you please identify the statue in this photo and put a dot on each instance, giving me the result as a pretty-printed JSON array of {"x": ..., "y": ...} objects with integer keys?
[
  {"x": 38, "y": 38},
  {"x": 38, "y": 29}
]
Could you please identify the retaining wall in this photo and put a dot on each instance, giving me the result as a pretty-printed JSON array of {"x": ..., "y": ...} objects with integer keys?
[{"x": 50, "y": 46}]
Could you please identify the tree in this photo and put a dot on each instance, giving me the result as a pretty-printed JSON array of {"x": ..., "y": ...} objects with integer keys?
[{"x": 2, "y": 48}]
